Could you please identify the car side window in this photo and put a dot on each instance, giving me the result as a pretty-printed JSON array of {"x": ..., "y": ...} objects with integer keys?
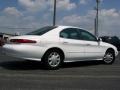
[
  {"x": 84, "y": 35},
  {"x": 70, "y": 33}
]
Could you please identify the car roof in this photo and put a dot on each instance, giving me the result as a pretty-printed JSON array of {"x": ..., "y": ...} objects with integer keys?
[{"x": 62, "y": 26}]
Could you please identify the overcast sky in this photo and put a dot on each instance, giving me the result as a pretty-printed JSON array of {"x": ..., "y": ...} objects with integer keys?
[{"x": 27, "y": 15}]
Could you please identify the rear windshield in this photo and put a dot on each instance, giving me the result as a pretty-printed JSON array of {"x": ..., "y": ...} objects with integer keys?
[{"x": 42, "y": 31}]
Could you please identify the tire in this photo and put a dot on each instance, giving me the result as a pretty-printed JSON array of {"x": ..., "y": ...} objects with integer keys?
[
  {"x": 52, "y": 59},
  {"x": 109, "y": 57}
]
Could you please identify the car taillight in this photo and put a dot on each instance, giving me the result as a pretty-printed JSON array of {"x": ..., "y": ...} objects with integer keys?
[{"x": 22, "y": 41}]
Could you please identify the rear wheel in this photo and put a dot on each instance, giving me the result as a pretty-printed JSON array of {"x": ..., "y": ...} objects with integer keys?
[
  {"x": 109, "y": 57},
  {"x": 52, "y": 59}
]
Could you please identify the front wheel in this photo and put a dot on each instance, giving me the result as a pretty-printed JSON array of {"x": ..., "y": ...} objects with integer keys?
[
  {"x": 52, "y": 59},
  {"x": 109, "y": 57}
]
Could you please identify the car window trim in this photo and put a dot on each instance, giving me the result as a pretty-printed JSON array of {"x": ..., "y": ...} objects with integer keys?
[
  {"x": 88, "y": 33},
  {"x": 70, "y": 38}
]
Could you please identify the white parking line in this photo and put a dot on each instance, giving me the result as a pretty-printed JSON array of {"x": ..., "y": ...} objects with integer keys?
[{"x": 62, "y": 76}]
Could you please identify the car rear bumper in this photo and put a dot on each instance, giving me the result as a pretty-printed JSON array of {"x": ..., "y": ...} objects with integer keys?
[{"x": 28, "y": 52}]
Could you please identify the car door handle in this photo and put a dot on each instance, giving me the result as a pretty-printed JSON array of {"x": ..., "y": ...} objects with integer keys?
[
  {"x": 65, "y": 42},
  {"x": 88, "y": 44}
]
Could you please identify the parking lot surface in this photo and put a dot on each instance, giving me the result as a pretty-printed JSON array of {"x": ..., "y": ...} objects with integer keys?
[{"x": 18, "y": 74}]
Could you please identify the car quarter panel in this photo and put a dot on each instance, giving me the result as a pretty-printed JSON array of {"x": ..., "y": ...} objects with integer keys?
[{"x": 24, "y": 51}]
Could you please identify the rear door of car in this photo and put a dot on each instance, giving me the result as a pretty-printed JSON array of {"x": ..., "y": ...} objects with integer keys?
[{"x": 71, "y": 44}]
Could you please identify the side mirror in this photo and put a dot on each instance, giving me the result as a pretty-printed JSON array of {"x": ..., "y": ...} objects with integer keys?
[{"x": 99, "y": 39}]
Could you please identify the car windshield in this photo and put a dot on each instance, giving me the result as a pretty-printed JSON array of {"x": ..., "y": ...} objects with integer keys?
[{"x": 42, "y": 31}]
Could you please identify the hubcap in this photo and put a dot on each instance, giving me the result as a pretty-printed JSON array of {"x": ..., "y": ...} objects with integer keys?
[
  {"x": 54, "y": 59},
  {"x": 108, "y": 58}
]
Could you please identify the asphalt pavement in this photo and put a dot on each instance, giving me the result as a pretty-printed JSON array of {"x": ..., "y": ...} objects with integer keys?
[{"x": 18, "y": 74}]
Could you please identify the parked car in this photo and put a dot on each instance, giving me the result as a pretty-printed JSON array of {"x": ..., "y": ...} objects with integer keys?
[
  {"x": 1, "y": 41},
  {"x": 112, "y": 40},
  {"x": 53, "y": 45},
  {"x": 4, "y": 37}
]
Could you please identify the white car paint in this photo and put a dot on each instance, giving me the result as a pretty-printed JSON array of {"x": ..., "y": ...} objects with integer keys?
[{"x": 74, "y": 50}]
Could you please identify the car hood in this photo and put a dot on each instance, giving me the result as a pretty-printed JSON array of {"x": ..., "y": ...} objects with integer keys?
[{"x": 108, "y": 45}]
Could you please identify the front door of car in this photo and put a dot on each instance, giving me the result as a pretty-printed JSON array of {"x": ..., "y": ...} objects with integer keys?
[
  {"x": 71, "y": 44},
  {"x": 93, "y": 50}
]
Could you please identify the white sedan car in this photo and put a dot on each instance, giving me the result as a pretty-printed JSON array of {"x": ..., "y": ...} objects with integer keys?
[{"x": 53, "y": 45}]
